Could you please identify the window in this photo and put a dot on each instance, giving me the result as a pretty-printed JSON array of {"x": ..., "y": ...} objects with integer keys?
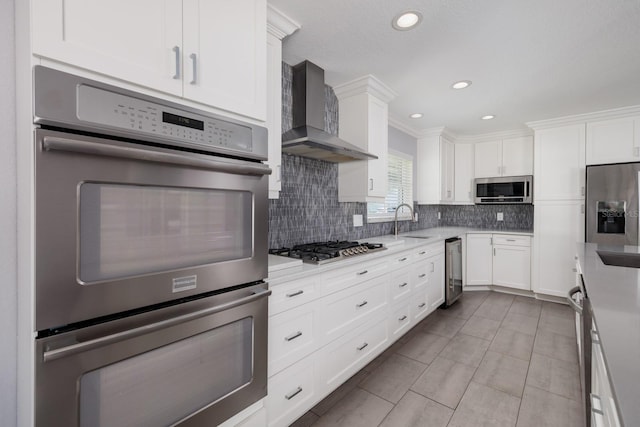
[{"x": 399, "y": 190}]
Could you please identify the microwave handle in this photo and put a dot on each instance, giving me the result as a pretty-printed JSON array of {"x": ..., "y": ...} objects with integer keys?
[
  {"x": 527, "y": 189},
  {"x": 131, "y": 333},
  {"x": 151, "y": 155}
]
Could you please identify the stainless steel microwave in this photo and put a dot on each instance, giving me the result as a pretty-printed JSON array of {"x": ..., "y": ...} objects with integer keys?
[{"x": 504, "y": 190}]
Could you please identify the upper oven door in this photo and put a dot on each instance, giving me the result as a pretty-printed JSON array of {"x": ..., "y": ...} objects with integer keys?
[{"x": 121, "y": 226}]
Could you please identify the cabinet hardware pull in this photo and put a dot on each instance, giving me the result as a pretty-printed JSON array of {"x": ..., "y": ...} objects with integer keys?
[
  {"x": 295, "y": 294},
  {"x": 402, "y": 285},
  {"x": 279, "y": 173},
  {"x": 433, "y": 267},
  {"x": 362, "y": 347},
  {"x": 494, "y": 251},
  {"x": 582, "y": 190},
  {"x": 595, "y": 410},
  {"x": 370, "y": 184},
  {"x": 294, "y": 336},
  {"x": 422, "y": 305},
  {"x": 595, "y": 339},
  {"x": 363, "y": 272},
  {"x": 422, "y": 275},
  {"x": 422, "y": 253},
  {"x": 402, "y": 318},
  {"x": 511, "y": 240},
  {"x": 402, "y": 259},
  {"x": 362, "y": 304},
  {"x": 176, "y": 51},
  {"x": 293, "y": 394},
  {"x": 194, "y": 64}
]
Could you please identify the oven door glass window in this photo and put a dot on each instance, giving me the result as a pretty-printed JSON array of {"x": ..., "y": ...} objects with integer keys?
[
  {"x": 166, "y": 385},
  {"x": 129, "y": 230}
]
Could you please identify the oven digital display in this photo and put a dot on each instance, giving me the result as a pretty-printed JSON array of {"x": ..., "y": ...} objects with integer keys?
[{"x": 182, "y": 121}]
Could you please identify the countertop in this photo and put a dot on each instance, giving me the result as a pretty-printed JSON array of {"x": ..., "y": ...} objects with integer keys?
[
  {"x": 614, "y": 293},
  {"x": 280, "y": 270}
]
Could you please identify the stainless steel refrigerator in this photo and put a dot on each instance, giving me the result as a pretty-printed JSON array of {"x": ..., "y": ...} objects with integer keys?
[{"x": 612, "y": 204}]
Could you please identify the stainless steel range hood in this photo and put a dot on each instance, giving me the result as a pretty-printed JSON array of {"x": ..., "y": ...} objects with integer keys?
[{"x": 307, "y": 138}]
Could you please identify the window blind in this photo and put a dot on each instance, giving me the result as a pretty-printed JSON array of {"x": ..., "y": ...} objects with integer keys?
[{"x": 399, "y": 189}]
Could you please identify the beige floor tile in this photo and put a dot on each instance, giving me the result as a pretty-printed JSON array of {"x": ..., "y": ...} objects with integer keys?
[
  {"x": 512, "y": 343},
  {"x": 555, "y": 376},
  {"x": 444, "y": 381},
  {"x": 556, "y": 346},
  {"x": 423, "y": 347},
  {"x": 502, "y": 372},
  {"x": 562, "y": 325},
  {"x": 481, "y": 327},
  {"x": 306, "y": 420},
  {"x": 520, "y": 323},
  {"x": 526, "y": 306},
  {"x": 482, "y": 406},
  {"x": 358, "y": 409},
  {"x": 414, "y": 410},
  {"x": 439, "y": 324},
  {"x": 466, "y": 349},
  {"x": 540, "y": 408},
  {"x": 340, "y": 393},
  {"x": 392, "y": 379}
]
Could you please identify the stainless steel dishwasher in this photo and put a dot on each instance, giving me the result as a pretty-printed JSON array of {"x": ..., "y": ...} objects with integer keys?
[{"x": 453, "y": 265}]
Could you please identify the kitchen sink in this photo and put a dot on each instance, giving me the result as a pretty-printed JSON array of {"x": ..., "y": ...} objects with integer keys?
[
  {"x": 620, "y": 259},
  {"x": 420, "y": 237}
]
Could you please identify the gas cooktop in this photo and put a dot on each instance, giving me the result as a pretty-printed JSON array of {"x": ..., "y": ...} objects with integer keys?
[{"x": 324, "y": 252}]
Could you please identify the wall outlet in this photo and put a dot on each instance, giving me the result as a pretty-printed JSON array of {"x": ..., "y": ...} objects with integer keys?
[
  {"x": 415, "y": 216},
  {"x": 500, "y": 216},
  {"x": 357, "y": 220},
  {"x": 439, "y": 216}
]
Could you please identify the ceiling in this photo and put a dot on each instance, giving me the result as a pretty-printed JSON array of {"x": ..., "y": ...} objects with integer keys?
[{"x": 528, "y": 60}]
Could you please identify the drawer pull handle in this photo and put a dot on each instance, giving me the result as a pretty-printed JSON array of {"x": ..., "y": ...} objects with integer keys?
[
  {"x": 402, "y": 318},
  {"x": 511, "y": 240},
  {"x": 362, "y": 304},
  {"x": 422, "y": 305},
  {"x": 421, "y": 253},
  {"x": 293, "y": 393},
  {"x": 294, "y": 336},
  {"x": 433, "y": 267},
  {"x": 402, "y": 285},
  {"x": 363, "y": 272},
  {"x": 422, "y": 275},
  {"x": 295, "y": 294},
  {"x": 402, "y": 259},
  {"x": 362, "y": 347}
]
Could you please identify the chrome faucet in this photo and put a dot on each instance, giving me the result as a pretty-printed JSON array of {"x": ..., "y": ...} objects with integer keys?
[{"x": 396, "y": 216}]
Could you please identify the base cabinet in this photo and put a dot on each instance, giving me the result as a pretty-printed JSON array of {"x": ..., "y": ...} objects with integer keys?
[
  {"x": 292, "y": 392},
  {"x": 479, "y": 259},
  {"x": 499, "y": 259},
  {"x": 604, "y": 412}
]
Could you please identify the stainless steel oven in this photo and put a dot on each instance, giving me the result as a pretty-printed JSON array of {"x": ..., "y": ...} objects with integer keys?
[{"x": 151, "y": 249}]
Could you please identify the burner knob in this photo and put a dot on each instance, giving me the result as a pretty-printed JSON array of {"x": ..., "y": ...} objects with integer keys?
[
  {"x": 359, "y": 249},
  {"x": 350, "y": 251},
  {"x": 345, "y": 252},
  {"x": 364, "y": 248}
]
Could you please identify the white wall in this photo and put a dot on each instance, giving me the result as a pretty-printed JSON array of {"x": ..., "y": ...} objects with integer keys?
[{"x": 8, "y": 276}]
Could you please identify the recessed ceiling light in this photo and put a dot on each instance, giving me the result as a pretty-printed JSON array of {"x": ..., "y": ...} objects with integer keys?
[
  {"x": 488, "y": 117},
  {"x": 406, "y": 20},
  {"x": 461, "y": 84},
  {"x": 416, "y": 115}
]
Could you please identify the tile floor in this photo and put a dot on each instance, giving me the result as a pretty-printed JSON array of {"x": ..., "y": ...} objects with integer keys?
[{"x": 490, "y": 360}]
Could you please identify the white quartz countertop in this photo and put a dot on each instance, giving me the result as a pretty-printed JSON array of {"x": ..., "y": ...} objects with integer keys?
[
  {"x": 614, "y": 293},
  {"x": 284, "y": 271}
]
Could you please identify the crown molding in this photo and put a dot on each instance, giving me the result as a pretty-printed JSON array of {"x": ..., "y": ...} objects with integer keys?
[
  {"x": 366, "y": 84},
  {"x": 279, "y": 24},
  {"x": 492, "y": 136},
  {"x": 396, "y": 123},
  {"x": 432, "y": 132},
  {"x": 615, "y": 113}
]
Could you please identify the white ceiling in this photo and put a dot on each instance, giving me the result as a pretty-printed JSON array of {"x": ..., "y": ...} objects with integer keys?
[{"x": 529, "y": 60}]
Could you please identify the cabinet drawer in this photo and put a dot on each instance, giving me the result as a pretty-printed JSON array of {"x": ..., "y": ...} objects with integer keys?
[
  {"x": 343, "y": 278},
  {"x": 292, "y": 336},
  {"x": 419, "y": 306},
  {"x": 428, "y": 251},
  {"x": 504, "y": 239},
  {"x": 401, "y": 260},
  {"x": 420, "y": 274},
  {"x": 345, "y": 356},
  {"x": 400, "y": 284},
  {"x": 291, "y": 393},
  {"x": 399, "y": 320},
  {"x": 344, "y": 310},
  {"x": 288, "y": 295}
]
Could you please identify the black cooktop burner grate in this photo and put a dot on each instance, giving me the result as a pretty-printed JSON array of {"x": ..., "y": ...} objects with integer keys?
[{"x": 326, "y": 251}]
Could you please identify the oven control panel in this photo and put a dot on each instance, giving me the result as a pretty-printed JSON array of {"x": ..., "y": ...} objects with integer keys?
[{"x": 119, "y": 111}]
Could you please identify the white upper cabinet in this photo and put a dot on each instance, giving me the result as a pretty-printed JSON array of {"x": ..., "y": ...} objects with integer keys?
[
  {"x": 436, "y": 169},
  {"x": 447, "y": 160},
  {"x": 613, "y": 141},
  {"x": 504, "y": 157},
  {"x": 560, "y": 163},
  {"x": 364, "y": 122},
  {"x": 212, "y": 52},
  {"x": 464, "y": 167}
]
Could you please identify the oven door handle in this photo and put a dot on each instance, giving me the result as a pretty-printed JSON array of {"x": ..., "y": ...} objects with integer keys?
[
  {"x": 151, "y": 155},
  {"x": 59, "y": 353}
]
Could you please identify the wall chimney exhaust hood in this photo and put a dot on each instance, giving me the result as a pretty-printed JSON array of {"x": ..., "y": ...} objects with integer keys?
[{"x": 307, "y": 138}]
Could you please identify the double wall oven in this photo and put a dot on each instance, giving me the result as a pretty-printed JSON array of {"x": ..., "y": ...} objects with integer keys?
[{"x": 151, "y": 250}]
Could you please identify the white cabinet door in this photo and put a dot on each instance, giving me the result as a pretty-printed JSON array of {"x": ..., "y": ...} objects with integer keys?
[
  {"x": 558, "y": 226},
  {"x": 512, "y": 266},
  {"x": 274, "y": 113},
  {"x": 435, "y": 285},
  {"x": 378, "y": 144},
  {"x": 463, "y": 185},
  {"x": 559, "y": 163},
  {"x": 479, "y": 259},
  {"x": 447, "y": 170},
  {"x": 137, "y": 41},
  {"x": 612, "y": 141},
  {"x": 225, "y": 54},
  {"x": 488, "y": 159},
  {"x": 517, "y": 156},
  {"x": 429, "y": 176}
]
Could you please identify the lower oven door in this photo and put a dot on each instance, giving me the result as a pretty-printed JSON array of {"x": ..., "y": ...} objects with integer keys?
[{"x": 193, "y": 364}]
